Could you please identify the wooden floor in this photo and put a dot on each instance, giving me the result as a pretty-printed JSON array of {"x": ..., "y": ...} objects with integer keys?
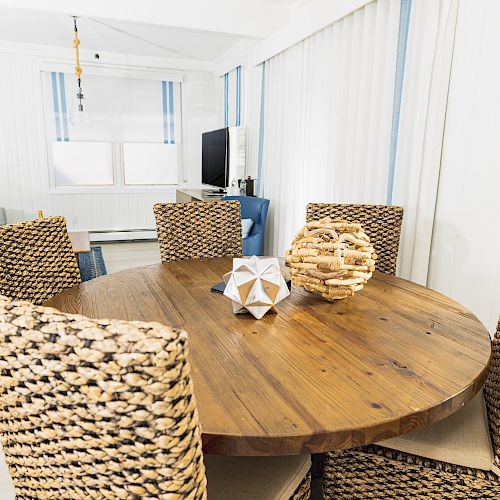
[{"x": 120, "y": 256}]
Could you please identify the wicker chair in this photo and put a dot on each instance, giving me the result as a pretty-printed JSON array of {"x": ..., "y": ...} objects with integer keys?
[
  {"x": 198, "y": 230},
  {"x": 379, "y": 472},
  {"x": 105, "y": 409},
  {"x": 36, "y": 260},
  {"x": 380, "y": 222}
]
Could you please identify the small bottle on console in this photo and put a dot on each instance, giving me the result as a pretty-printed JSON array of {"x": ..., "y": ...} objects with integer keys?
[{"x": 243, "y": 187}]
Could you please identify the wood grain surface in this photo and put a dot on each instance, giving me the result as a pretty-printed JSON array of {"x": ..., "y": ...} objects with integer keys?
[
  {"x": 80, "y": 241},
  {"x": 317, "y": 376}
]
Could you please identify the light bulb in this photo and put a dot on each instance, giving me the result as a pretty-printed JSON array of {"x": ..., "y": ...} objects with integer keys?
[{"x": 80, "y": 112}]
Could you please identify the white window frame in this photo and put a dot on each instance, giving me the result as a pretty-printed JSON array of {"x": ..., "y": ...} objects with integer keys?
[{"x": 119, "y": 186}]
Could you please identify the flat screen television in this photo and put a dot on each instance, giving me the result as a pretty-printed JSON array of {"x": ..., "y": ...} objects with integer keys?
[{"x": 214, "y": 157}]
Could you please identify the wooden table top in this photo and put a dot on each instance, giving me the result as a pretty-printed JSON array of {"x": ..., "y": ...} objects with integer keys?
[
  {"x": 315, "y": 377},
  {"x": 80, "y": 241}
]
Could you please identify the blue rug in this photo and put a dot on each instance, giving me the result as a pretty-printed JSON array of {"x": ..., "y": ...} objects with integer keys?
[{"x": 92, "y": 264}]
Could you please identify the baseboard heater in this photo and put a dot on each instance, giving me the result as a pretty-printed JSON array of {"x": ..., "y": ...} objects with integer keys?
[{"x": 122, "y": 235}]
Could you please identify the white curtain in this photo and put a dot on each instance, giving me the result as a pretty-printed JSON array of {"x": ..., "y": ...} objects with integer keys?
[
  {"x": 231, "y": 97},
  {"x": 330, "y": 107},
  {"x": 421, "y": 130},
  {"x": 328, "y": 112}
]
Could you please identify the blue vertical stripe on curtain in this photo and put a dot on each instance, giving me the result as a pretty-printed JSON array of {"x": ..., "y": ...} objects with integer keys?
[
  {"x": 238, "y": 96},
  {"x": 171, "y": 109},
  {"x": 164, "y": 101},
  {"x": 60, "y": 106},
  {"x": 167, "y": 91},
  {"x": 404, "y": 23},
  {"x": 226, "y": 99},
  {"x": 55, "y": 100},
  {"x": 64, "y": 110},
  {"x": 261, "y": 129},
  {"x": 231, "y": 98}
]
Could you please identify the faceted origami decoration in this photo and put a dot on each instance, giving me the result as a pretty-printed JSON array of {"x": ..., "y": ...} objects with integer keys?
[{"x": 255, "y": 285}]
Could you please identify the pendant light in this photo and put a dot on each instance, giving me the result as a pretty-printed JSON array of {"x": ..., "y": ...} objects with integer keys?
[{"x": 80, "y": 113}]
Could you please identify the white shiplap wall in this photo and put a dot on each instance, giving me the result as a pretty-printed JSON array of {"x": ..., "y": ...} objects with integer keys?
[{"x": 24, "y": 183}]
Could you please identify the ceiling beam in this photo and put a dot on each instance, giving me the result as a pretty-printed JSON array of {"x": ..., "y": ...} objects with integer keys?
[{"x": 250, "y": 18}]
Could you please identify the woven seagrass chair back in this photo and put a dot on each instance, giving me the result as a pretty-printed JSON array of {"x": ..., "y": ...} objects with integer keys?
[
  {"x": 96, "y": 408},
  {"x": 381, "y": 223},
  {"x": 36, "y": 260},
  {"x": 199, "y": 230},
  {"x": 492, "y": 396}
]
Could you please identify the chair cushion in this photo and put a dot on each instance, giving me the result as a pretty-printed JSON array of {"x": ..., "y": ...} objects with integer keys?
[
  {"x": 461, "y": 439},
  {"x": 246, "y": 225},
  {"x": 254, "y": 478}
]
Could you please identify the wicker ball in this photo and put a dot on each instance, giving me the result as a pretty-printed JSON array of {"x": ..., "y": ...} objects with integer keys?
[{"x": 331, "y": 257}]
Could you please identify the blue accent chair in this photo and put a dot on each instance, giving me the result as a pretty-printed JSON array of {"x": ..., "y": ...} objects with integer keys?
[{"x": 255, "y": 209}]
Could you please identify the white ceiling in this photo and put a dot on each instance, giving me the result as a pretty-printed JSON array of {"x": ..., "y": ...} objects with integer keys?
[
  {"x": 197, "y": 30},
  {"x": 48, "y": 28}
]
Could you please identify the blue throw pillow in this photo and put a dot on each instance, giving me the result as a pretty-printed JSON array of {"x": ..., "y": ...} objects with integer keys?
[{"x": 246, "y": 225}]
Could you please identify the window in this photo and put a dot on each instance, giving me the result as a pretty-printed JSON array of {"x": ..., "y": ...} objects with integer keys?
[
  {"x": 82, "y": 163},
  {"x": 134, "y": 138},
  {"x": 160, "y": 160}
]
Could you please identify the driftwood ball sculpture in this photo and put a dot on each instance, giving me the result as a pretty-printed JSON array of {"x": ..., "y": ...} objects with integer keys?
[{"x": 331, "y": 257}]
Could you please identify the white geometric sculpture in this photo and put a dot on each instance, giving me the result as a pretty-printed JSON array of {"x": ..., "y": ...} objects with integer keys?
[{"x": 255, "y": 285}]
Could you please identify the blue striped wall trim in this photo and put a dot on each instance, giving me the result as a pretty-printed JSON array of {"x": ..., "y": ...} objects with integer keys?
[
  {"x": 226, "y": 103},
  {"x": 64, "y": 111},
  {"x": 261, "y": 128},
  {"x": 55, "y": 100},
  {"x": 404, "y": 24},
  {"x": 171, "y": 109},
  {"x": 238, "y": 96}
]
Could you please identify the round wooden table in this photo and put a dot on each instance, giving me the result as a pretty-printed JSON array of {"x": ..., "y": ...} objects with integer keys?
[{"x": 316, "y": 376}]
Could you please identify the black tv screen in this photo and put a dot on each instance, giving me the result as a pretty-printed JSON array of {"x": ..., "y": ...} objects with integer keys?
[{"x": 213, "y": 157}]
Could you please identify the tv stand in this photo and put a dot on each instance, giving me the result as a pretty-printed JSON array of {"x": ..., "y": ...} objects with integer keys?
[
  {"x": 187, "y": 195},
  {"x": 214, "y": 191}
]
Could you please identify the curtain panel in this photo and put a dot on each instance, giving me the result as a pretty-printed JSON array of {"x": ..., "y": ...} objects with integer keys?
[
  {"x": 354, "y": 114},
  {"x": 421, "y": 130},
  {"x": 231, "y": 97},
  {"x": 328, "y": 114}
]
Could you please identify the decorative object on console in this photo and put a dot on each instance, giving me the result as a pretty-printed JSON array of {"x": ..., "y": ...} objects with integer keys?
[
  {"x": 249, "y": 184},
  {"x": 80, "y": 116},
  {"x": 331, "y": 257},
  {"x": 255, "y": 285},
  {"x": 243, "y": 187},
  {"x": 233, "y": 189}
]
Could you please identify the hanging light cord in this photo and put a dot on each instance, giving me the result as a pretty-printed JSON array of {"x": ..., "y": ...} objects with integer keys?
[{"x": 78, "y": 69}]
